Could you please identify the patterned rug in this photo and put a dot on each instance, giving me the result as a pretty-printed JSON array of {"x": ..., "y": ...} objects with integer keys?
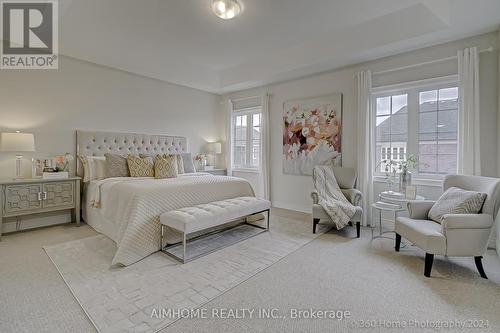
[{"x": 129, "y": 299}]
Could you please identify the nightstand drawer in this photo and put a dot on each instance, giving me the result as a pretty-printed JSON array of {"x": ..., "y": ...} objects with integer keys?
[
  {"x": 22, "y": 198},
  {"x": 59, "y": 194}
]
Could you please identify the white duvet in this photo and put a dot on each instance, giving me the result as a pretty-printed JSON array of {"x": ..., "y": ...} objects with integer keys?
[{"x": 134, "y": 205}]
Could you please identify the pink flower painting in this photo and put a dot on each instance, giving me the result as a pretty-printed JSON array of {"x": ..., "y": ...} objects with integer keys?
[{"x": 312, "y": 134}]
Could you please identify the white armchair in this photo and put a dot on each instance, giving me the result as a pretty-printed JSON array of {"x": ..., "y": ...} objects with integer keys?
[
  {"x": 461, "y": 235},
  {"x": 346, "y": 178}
]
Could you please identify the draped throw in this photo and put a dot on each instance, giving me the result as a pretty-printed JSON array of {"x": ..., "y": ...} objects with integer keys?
[{"x": 330, "y": 197}]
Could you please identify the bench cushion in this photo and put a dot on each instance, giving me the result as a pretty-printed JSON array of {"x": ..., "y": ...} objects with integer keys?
[{"x": 200, "y": 217}]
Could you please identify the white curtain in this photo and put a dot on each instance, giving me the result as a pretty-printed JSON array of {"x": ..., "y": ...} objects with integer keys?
[
  {"x": 229, "y": 150},
  {"x": 265, "y": 147},
  {"x": 365, "y": 142},
  {"x": 469, "y": 147}
]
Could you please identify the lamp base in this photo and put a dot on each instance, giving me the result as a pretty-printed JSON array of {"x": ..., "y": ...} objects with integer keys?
[{"x": 19, "y": 167}]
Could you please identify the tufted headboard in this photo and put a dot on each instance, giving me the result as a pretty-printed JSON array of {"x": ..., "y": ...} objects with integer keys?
[{"x": 98, "y": 143}]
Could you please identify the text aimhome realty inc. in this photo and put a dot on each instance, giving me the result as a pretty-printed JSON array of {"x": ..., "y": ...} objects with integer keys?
[{"x": 248, "y": 313}]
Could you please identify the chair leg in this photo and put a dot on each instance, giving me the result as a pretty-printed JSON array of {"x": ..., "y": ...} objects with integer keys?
[
  {"x": 398, "y": 242},
  {"x": 479, "y": 266},
  {"x": 315, "y": 222},
  {"x": 429, "y": 258},
  {"x": 358, "y": 229}
]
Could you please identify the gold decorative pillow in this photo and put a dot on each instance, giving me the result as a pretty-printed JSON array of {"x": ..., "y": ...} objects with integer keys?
[
  {"x": 140, "y": 166},
  {"x": 165, "y": 166},
  {"x": 179, "y": 161}
]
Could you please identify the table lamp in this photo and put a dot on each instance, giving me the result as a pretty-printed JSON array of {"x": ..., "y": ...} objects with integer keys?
[
  {"x": 214, "y": 148},
  {"x": 17, "y": 143}
]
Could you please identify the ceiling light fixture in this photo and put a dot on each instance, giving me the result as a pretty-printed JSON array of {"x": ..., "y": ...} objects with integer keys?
[{"x": 226, "y": 9}]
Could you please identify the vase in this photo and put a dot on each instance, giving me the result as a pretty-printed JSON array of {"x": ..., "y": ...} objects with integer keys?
[{"x": 404, "y": 180}]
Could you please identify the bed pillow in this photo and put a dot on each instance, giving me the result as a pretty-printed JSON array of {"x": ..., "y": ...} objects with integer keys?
[
  {"x": 94, "y": 167},
  {"x": 166, "y": 166},
  {"x": 140, "y": 166},
  {"x": 457, "y": 201},
  {"x": 187, "y": 161},
  {"x": 178, "y": 160},
  {"x": 180, "y": 164},
  {"x": 116, "y": 166}
]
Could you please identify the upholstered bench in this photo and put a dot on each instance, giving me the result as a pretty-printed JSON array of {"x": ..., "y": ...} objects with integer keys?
[{"x": 197, "y": 218}]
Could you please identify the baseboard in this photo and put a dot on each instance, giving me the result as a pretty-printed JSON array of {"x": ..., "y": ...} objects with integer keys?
[{"x": 298, "y": 208}]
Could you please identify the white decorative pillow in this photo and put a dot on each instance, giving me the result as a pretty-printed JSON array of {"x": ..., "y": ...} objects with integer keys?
[
  {"x": 457, "y": 201},
  {"x": 180, "y": 164},
  {"x": 187, "y": 162},
  {"x": 94, "y": 167}
]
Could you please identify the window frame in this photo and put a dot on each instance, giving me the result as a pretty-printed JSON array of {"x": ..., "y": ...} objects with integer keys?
[
  {"x": 413, "y": 89},
  {"x": 249, "y": 112}
]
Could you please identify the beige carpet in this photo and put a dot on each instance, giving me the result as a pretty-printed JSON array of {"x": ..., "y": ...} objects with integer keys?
[
  {"x": 124, "y": 299},
  {"x": 331, "y": 272},
  {"x": 335, "y": 272}
]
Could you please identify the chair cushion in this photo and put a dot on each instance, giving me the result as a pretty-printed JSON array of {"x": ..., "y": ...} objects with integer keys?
[
  {"x": 457, "y": 201},
  {"x": 423, "y": 233},
  {"x": 319, "y": 213}
]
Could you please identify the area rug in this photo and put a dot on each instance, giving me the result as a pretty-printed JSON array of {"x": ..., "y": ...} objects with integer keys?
[{"x": 144, "y": 297}]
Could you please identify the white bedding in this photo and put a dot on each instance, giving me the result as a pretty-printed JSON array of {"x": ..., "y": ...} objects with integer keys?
[{"x": 129, "y": 208}]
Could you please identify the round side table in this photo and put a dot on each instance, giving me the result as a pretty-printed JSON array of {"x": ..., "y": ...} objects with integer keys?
[
  {"x": 396, "y": 198},
  {"x": 388, "y": 207}
]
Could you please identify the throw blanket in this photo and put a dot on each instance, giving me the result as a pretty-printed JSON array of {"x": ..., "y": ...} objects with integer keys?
[
  {"x": 135, "y": 205},
  {"x": 331, "y": 197}
]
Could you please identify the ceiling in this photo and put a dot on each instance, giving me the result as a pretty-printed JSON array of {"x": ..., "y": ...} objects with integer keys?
[{"x": 182, "y": 42}]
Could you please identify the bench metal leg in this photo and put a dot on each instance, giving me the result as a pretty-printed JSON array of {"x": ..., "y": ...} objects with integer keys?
[
  {"x": 268, "y": 218},
  {"x": 184, "y": 258},
  {"x": 183, "y": 247}
]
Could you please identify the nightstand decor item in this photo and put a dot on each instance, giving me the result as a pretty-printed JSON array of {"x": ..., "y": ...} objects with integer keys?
[
  {"x": 17, "y": 143},
  {"x": 201, "y": 160}
]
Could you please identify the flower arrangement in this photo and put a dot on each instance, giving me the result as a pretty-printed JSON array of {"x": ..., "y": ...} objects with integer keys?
[
  {"x": 393, "y": 166},
  {"x": 201, "y": 159},
  {"x": 410, "y": 163}
]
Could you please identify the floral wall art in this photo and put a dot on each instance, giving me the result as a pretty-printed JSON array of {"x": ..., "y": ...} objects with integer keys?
[{"x": 312, "y": 133}]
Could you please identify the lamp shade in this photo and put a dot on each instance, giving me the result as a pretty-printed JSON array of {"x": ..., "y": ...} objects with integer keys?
[
  {"x": 17, "y": 142},
  {"x": 214, "y": 147}
]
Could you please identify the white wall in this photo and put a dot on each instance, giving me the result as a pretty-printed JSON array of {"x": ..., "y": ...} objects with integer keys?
[
  {"x": 292, "y": 191},
  {"x": 81, "y": 95},
  {"x": 497, "y": 226}
]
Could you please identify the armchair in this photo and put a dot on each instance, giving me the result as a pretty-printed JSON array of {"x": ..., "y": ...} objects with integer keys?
[
  {"x": 460, "y": 235},
  {"x": 346, "y": 178}
]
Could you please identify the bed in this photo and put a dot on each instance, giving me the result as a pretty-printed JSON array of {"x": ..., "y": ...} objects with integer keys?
[{"x": 127, "y": 209}]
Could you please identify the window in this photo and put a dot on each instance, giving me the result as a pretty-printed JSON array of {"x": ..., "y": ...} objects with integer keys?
[
  {"x": 437, "y": 135},
  {"x": 421, "y": 121},
  {"x": 246, "y": 126},
  {"x": 392, "y": 130}
]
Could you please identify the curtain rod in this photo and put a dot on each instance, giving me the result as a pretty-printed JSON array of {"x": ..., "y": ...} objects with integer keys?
[{"x": 489, "y": 49}]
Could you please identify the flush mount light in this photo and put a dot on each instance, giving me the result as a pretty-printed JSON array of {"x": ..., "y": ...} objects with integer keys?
[{"x": 226, "y": 9}]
